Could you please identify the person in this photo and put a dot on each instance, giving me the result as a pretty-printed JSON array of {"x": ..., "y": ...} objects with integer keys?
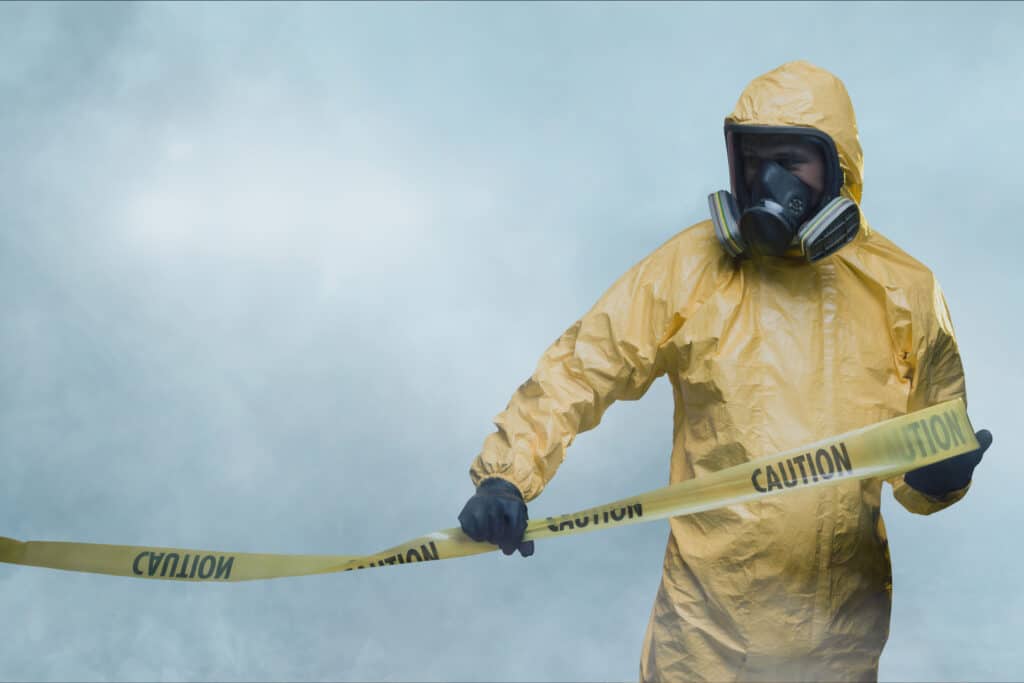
[{"x": 784, "y": 319}]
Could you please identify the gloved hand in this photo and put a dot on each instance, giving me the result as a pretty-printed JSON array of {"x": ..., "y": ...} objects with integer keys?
[
  {"x": 497, "y": 514},
  {"x": 950, "y": 475}
]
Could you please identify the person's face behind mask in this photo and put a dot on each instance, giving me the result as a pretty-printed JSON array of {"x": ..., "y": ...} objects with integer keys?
[
  {"x": 802, "y": 158},
  {"x": 786, "y": 195}
]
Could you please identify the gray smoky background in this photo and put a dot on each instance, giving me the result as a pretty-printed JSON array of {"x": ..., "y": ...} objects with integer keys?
[{"x": 267, "y": 272}]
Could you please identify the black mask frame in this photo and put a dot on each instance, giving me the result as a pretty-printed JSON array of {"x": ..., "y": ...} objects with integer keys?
[{"x": 733, "y": 137}]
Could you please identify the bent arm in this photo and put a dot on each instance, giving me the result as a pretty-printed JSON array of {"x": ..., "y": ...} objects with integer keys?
[
  {"x": 612, "y": 353},
  {"x": 937, "y": 376}
]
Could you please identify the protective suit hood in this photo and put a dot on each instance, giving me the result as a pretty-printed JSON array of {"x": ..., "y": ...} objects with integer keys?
[{"x": 804, "y": 95}]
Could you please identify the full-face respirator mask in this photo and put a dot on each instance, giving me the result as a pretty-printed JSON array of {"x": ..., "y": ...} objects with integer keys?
[{"x": 771, "y": 210}]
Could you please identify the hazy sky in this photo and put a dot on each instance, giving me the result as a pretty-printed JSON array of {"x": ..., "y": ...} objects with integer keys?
[{"x": 267, "y": 272}]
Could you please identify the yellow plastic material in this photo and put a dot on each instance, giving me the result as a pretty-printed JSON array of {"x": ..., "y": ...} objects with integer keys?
[
  {"x": 894, "y": 446},
  {"x": 763, "y": 354}
]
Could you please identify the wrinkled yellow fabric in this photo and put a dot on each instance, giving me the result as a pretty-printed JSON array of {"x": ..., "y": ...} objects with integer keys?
[{"x": 763, "y": 354}]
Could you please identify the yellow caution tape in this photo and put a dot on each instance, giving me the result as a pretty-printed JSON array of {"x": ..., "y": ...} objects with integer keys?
[{"x": 880, "y": 450}]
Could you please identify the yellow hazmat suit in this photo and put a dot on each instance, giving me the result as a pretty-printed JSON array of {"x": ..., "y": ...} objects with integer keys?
[{"x": 763, "y": 354}]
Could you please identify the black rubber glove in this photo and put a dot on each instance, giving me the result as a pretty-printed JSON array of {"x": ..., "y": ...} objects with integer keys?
[
  {"x": 949, "y": 475},
  {"x": 497, "y": 514}
]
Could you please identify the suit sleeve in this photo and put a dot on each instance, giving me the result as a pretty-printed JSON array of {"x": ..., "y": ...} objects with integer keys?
[
  {"x": 937, "y": 375},
  {"x": 612, "y": 353}
]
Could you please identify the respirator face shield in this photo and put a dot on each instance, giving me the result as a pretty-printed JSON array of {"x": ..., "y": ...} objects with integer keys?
[{"x": 785, "y": 194}]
